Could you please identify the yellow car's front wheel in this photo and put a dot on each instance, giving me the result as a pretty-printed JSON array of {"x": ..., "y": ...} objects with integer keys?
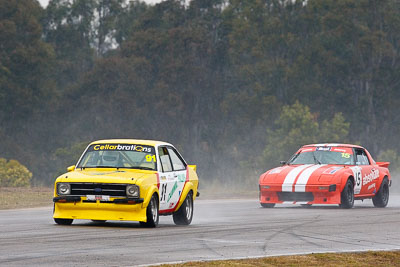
[
  {"x": 152, "y": 213},
  {"x": 63, "y": 221}
]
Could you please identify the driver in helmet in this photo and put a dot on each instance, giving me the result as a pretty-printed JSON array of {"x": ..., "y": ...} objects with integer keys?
[{"x": 110, "y": 158}]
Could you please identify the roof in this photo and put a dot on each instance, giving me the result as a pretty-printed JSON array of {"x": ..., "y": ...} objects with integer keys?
[
  {"x": 131, "y": 141},
  {"x": 333, "y": 144}
]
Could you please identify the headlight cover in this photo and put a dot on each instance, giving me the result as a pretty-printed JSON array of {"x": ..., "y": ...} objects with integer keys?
[
  {"x": 63, "y": 189},
  {"x": 132, "y": 190}
]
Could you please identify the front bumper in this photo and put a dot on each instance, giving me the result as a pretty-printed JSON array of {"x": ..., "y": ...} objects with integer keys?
[
  {"x": 315, "y": 194},
  {"x": 65, "y": 199},
  {"x": 121, "y": 209}
]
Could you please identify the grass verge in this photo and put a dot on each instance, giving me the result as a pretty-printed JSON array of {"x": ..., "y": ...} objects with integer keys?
[
  {"x": 370, "y": 258},
  {"x": 16, "y": 198}
]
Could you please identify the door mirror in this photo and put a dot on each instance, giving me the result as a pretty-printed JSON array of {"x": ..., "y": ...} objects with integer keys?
[
  {"x": 282, "y": 162},
  {"x": 71, "y": 168}
]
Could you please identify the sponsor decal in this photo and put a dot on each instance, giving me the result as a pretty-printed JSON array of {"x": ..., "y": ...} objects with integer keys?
[
  {"x": 163, "y": 178},
  {"x": 370, "y": 177},
  {"x": 371, "y": 186},
  {"x": 122, "y": 147},
  {"x": 181, "y": 177},
  {"x": 332, "y": 170},
  {"x": 172, "y": 191},
  {"x": 277, "y": 170},
  {"x": 323, "y": 148},
  {"x": 171, "y": 205},
  {"x": 307, "y": 150}
]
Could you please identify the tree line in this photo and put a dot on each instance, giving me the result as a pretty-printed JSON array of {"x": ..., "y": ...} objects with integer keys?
[{"x": 236, "y": 85}]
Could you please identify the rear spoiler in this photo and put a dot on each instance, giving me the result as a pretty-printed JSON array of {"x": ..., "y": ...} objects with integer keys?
[
  {"x": 194, "y": 167},
  {"x": 383, "y": 164}
]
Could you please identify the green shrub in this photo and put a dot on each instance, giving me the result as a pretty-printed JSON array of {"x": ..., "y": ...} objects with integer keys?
[{"x": 14, "y": 174}]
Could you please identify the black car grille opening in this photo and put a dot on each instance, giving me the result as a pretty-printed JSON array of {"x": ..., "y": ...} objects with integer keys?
[
  {"x": 295, "y": 196},
  {"x": 83, "y": 189}
]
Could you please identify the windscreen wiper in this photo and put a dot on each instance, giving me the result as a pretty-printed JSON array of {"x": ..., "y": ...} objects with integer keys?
[
  {"x": 142, "y": 168},
  {"x": 292, "y": 159},
  {"x": 111, "y": 167},
  {"x": 315, "y": 159}
]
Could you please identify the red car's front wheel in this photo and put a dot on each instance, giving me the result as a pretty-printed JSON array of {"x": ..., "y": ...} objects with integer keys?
[{"x": 347, "y": 196}]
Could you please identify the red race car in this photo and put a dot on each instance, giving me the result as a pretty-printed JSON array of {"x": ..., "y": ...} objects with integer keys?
[{"x": 327, "y": 174}]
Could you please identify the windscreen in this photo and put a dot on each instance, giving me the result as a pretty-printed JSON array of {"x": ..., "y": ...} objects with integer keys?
[
  {"x": 324, "y": 155},
  {"x": 131, "y": 156}
]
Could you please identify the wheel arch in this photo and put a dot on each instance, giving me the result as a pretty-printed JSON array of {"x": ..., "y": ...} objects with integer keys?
[
  {"x": 344, "y": 181},
  {"x": 351, "y": 177},
  {"x": 189, "y": 187},
  {"x": 150, "y": 192},
  {"x": 381, "y": 180}
]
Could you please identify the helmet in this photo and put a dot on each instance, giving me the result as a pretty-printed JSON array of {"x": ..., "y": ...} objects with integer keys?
[{"x": 110, "y": 158}]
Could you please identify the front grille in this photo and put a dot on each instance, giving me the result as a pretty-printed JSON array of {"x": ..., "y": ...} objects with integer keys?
[
  {"x": 83, "y": 189},
  {"x": 295, "y": 196}
]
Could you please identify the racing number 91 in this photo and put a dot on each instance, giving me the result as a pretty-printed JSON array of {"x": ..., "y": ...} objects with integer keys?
[{"x": 151, "y": 158}]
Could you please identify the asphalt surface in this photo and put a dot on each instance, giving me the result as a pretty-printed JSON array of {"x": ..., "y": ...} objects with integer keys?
[{"x": 221, "y": 229}]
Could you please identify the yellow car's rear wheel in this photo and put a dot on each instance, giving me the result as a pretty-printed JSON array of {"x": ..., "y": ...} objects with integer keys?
[
  {"x": 185, "y": 213},
  {"x": 99, "y": 221}
]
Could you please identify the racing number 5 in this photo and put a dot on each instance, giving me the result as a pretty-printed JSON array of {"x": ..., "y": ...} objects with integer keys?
[{"x": 358, "y": 178}]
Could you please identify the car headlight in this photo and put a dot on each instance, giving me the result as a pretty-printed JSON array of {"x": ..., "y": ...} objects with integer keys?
[
  {"x": 63, "y": 189},
  {"x": 132, "y": 190}
]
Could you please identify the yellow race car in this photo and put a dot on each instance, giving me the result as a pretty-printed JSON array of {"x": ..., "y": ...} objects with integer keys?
[{"x": 127, "y": 180}]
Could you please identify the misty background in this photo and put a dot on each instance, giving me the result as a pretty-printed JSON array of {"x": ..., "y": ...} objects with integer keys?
[{"x": 235, "y": 85}]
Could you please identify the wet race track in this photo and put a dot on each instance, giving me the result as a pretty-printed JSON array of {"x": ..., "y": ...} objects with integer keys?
[{"x": 221, "y": 229}]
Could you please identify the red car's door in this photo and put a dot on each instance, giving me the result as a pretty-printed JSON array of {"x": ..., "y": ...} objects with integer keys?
[{"x": 369, "y": 173}]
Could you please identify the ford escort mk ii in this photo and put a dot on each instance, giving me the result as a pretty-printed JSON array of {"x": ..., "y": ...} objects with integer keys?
[{"x": 127, "y": 180}]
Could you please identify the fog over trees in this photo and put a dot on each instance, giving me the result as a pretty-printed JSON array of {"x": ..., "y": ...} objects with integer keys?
[{"x": 236, "y": 85}]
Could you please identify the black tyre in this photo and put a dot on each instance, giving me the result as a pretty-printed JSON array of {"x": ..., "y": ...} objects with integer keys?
[
  {"x": 381, "y": 199},
  {"x": 63, "y": 221},
  {"x": 347, "y": 195},
  {"x": 267, "y": 205},
  {"x": 184, "y": 215},
  {"x": 152, "y": 213}
]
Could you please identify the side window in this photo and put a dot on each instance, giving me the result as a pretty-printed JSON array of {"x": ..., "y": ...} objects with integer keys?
[
  {"x": 177, "y": 163},
  {"x": 164, "y": 159},
  {"x": 361, "y": 157}
]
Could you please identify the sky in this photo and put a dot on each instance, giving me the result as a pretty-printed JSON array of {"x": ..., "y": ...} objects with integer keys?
[{"x": 44, "y": 3}]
